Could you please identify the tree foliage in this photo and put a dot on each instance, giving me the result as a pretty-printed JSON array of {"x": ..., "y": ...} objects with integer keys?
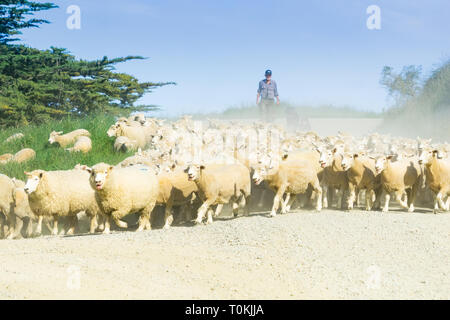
[
  {"x": 36, "y": 85},
  {"x": 14, "y": 16},
  {"x": 404, "y": 85}
]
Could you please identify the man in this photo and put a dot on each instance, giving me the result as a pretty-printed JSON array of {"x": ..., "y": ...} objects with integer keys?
[{"x": 267, "y": 91}]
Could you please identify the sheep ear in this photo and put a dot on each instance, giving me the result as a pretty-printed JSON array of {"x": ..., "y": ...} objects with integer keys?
[
  {"x": 110, "y": 168},
  {"x": 202, "y": 167},
  {"x": 355, "y": 156},
  {"x": 389, "y": 157},
  {"x": 334, "y": 150},
  {"x": 41, "y": 175},
  {"x": 284, "y": 156},
  {"x": 27, "y": 173},
  {"x": 86, "y": 168},
  {"x": 60, "y": 132},
  {"x": 173, "y": 166}
]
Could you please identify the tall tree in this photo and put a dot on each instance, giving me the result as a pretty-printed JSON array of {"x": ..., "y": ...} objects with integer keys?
[
  {"x": 37, "y": 85},
  {"x": 14, "y": 16}
]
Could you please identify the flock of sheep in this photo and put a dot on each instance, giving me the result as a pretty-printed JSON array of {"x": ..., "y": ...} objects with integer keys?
[{"x": 193, "y": 168}]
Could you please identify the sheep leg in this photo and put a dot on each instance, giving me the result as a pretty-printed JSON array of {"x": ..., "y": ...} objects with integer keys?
[
  {"x": 218, "y": 210},
  {"x": 285, "y": 202},
  {"x": 369, "y": 199},
  {"x": 288, "y": 205},
  {"x": 28, "y": 227},
  {"x": 202, "y": 210},
  {"x": 351, "y": 197},
  {"x": 209, "y": 216},
  {"x": 439, "y": 199},
  {"x": 403, "y": 202},
  {"x": 387, "y": 197},
  {"x": 107, "y": 228},
  {"x": 73, "y": 221},
  {"x": 412, "y": 197},
  {"x": 55, "y": 226},
  {"x": 235, "y": 209},
  {"x": 116, "y": 215},
  {"x": 377, "y": 201},
  {"x": 277, "y": 200},
  {"x": 16, "y": 231},
  {"x": 325, "y": 196},
  {"x": 93, "y": 224},
  {"x": 168, "y": 217},
  {"x": 38, "y": 230},
  {"x": 144, "y": 219}
]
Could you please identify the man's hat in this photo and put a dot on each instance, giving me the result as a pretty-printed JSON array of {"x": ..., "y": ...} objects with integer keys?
[{"x": 268, "y": 72}]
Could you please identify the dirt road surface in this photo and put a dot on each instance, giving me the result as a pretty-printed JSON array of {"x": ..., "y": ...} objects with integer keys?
[{"x": 300, "y": 255}]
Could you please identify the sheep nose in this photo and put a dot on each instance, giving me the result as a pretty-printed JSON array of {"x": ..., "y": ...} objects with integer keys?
[{"x": 420, "y": 161}]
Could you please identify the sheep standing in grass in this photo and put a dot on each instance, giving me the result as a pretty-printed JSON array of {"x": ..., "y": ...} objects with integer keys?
[
  {"x": 61, "y": 194},
  {"x": 14, "y": 137},
  {"x": 83, "y": 144},
  {"x": 5, "y": 158},
  {"x": 122, "y": 191},
  {"x": 68, "y": 138},
  {"x": 6, "y": 202},
  {"x": 24, "y": 155}
]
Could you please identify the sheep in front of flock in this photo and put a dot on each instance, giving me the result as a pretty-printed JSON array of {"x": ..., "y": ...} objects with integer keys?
[
  {"x": 61, "y": 193},
  {"x": 290, "y": 177},
  {"x": 218, "y": 184},
  {"x": 121, "y": 191}
]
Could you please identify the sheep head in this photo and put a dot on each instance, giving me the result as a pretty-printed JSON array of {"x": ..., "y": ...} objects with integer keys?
[
  {"x": 53, "y": 136},
  {"x": 99, "y": 174},
  {"x": 33, "y": 179},
  {"x": 193, "y": 171}
]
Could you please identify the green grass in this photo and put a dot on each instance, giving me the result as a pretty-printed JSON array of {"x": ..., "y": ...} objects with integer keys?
[{"x": 53, "y": 157}]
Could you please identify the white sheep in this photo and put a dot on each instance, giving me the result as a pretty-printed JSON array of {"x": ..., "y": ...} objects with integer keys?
[
  {"x": 122, "y": 191},
  {"x": 6, "y": 202},
  {"x": 125, "y": 144},
  {"x": 68, "y": 138},
  {"x": 83, "y": 144},
  {"x": 24, "y": 155},
  {"x": 61, "y": 193},
  {"x": 14, "y": 137},
  {"x": 219, "y": 184}
]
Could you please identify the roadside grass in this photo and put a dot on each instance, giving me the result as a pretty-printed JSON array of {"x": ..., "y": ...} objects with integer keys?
[{"x": 53, "y": 157}]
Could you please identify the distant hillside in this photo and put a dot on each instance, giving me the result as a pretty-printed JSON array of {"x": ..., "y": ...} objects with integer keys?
[
  {"x": 427, "y": 113},
  {"x": 324, "y": 111}
]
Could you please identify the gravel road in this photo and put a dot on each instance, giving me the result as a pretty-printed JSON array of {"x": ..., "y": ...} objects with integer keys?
[{"x": 300, "y": 255}]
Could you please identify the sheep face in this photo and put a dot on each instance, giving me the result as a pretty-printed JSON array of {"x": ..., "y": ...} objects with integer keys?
[
  {"x": 326, "y": 157},
  {"x": 99, "y": 174},
  {"x": 263, "y": 169},
  {"x": 53, "y": 136},
  {"x": 112, "y": 131},
  {"x": 33, "y": 179},
  {"x": 347, "y": 161},
  {"x": 380, "y": 163},
  {"x": 426, "y": 155},
  {"x": 193, "y": 171}
]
